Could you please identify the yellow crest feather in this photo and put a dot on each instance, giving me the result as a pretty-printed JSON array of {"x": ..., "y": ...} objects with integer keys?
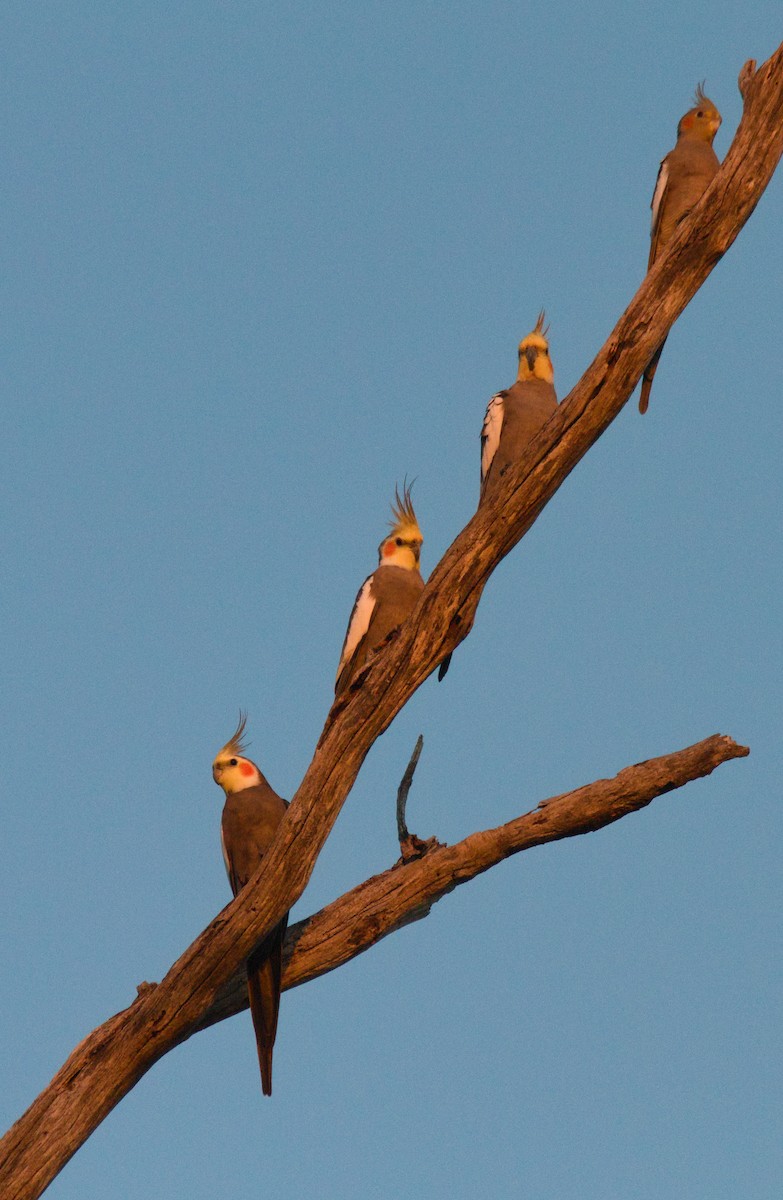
[
  {"x": 404, "y": 518},
  {"x": 236, "y": 743},
  {"x": 539, "y": 326},
  {"x": 537, "y": 336},
  {"x": 701, "y": 100}
]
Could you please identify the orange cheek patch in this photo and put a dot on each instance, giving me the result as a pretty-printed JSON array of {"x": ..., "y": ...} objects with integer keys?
[
  {"x": 246, "y": 768},
  {"x": 687, "y": 122},
  {"x": 388, "y": 549}
]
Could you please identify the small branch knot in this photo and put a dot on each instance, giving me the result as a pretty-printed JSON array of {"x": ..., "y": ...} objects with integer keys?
[{"x": 413, "y": 847}]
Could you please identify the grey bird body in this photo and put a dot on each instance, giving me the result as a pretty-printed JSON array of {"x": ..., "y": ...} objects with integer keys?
[
  {"x": 690, "y": 168},
  {"x": 387, "y": 596},
  {"x": 526, "y": 407},
  {"x": 515, "y": 415},
  {"x": 684, "y": 175},
  {"x": 248, "y": 828}
]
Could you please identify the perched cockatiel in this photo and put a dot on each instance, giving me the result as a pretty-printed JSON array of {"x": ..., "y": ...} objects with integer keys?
[
  {"x": 683, "y": 177},
  {"x": 251, "y": 815},
  {"x": 515, "y": 415},
  {"x": 388, "y": 595}
]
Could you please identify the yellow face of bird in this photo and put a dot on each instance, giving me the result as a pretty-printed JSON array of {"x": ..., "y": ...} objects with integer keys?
[
  {"x": 534, "y": 360},
  {"x": 402, "y": 548},
  {"x": 230, "y": 769},
  {"x": 234, "y": 773},
  {"x": 702, "y": 121}
]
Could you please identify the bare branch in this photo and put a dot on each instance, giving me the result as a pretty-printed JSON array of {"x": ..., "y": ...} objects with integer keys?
[
  {"x": 358, "y": 920},
  {"x": 411, "y": 846},
  {"x": 405, "y": 787},
  {"x": 66, "y": 1113},
  {"x": 407, "y": 891}
]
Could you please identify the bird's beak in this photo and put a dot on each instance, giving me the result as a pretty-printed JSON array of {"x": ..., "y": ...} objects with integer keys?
[
  {"x": 216, "y": 771},
  {"x": 531, "y": 354}
]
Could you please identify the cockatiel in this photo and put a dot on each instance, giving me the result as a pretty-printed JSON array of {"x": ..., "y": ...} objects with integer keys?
[
  {"x": 388, "y": 595},
  {"x": 251, "y": 815},
  {"x": 684, "y": 175},
  {"x": 515, "y": 415}
]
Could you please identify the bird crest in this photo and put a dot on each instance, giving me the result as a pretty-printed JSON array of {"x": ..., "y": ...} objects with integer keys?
[
  {"x": 236, "y": 744},
  {"x": 537, "y": 337},
  {"x": 700, "y": 96},
  {"x": 703, "y": 119},
  {"x": 539, "y": 326},
  {"x": 404, "y": 523}
]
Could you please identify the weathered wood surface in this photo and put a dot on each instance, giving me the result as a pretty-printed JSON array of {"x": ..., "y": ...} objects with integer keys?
[
  {"x": 407, "y": 891},
  {"x": 331, "y": 937}
]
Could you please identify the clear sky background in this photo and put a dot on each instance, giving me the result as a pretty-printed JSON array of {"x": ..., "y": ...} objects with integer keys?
[{"x": 259, "y": 262}]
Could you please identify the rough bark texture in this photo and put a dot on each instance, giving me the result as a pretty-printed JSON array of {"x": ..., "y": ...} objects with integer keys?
[
  {"x": 408, "y": 890},
  {"x": 331, "y": 937},
  {"x": 119, "y": 1053}
]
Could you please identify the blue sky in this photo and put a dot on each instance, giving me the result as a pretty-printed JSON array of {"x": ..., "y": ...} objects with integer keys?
[{"x": 259, "y": 263}]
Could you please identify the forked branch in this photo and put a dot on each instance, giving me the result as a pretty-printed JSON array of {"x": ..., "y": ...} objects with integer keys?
[
  {"x": 64, "y": 1115},
  {"x": 407, "y": 891}
]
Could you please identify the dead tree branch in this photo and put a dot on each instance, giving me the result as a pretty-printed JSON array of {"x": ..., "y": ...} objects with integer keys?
[
  {"x": 65, "y": 1114},
  {"x": 407, "y": 891},
  {"x": 405, "y": 787},
  {"x": 361, "y": 918},
  {"x": 411, "y": 846}
]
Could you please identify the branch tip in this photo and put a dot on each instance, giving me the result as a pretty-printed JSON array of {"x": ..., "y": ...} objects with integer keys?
[
  {"x": 405, "y": 787},
  {"x": 746, "y": 77},
  {"x": 411, "y": 846}
]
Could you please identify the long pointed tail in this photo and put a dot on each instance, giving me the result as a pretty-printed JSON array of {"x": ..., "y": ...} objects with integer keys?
[
  {"x": 647, "y": 378},
  {"x": 264, "y": 973}
]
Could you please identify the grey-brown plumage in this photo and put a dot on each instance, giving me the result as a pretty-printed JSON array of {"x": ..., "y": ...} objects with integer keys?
[
  {"x": 526, "y": 408},
  {"x": 685, "y": 174},
  {"x": 249, "y": 824},
  {"x": 515, "y": 415},
  {"x": 251, "y": 816},
  {"x": 388, "y": 595},
  {"x": 393, "y": 593}
]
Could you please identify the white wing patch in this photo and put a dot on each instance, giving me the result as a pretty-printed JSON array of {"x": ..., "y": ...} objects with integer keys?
[
  {"x": 490, "y": 433},
  {"x": 660, "y": 188},
  {"x": 358, "y": 624}
]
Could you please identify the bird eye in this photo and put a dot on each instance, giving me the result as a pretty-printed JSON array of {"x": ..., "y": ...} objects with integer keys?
[
  {"x": 398, "y": 541},
  {"x": 700, "y": 113},
  {"x": 232, "y": 762}
]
